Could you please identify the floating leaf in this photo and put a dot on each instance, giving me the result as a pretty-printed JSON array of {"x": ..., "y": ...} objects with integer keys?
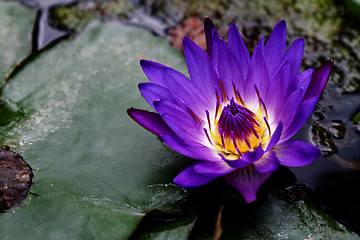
[{"x": 97, "y": 172}]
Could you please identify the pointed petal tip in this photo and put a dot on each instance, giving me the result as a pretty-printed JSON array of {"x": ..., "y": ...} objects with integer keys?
[
  {"x": 209, "y": 26},
  {"x": 232, "y": 26},
  {"x": 141, "y": 85},
  {"x": 208, "y": 21},
  {"x": 186, "y": 39},
  {"x": 328, "y": 64},
  {"x": 325, "y": 68},
  {"x": 275, "y": 136},
  {"x": 319, "y": 79},
  {"x": 131, "y": 110},
  {"x": 281, "y": 23},
  {"x": 151, "y": 121},
  {"x": 301, "y": 40},
  {"x": 143, "y": 61}
]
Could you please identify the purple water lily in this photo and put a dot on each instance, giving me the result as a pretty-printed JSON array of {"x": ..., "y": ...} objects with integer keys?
[{"x": 236, "y": 113}]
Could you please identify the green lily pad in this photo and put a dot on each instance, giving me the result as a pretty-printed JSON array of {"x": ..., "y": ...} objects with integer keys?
[
  {"x": 16, "y": 26},
  {"x": 155, "y": 226},
  {"x": 97, "y": 172}
]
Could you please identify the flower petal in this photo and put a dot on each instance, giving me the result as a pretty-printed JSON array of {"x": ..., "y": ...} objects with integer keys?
[
  {"x": 213, "y": 169},
  {"x": 300, "y": 118},
  {"x": 275, "y": 137},
  {"x": 304, "y": 78},
  {"x": 201, "y": 69},
  {"x": 257, "y": 75},
  {"x": 183, "y": 90},
  {"x": 319, "y": 80},
  {"x": 296, "y": 153},
  {"x": 237, "y": 46},
  {"x": 153, "y": 71},
  {"x": 180, "y": 121},
  {"x": 191, "y": 149},
  {"x": 247, "y": 181},
  {"x": 186, "y": 93},
  {"x": 189, "y": 178},
  {"x": 268, "y": 163},
  {"x": 209, "y": 26},
  {"x": 150, "y": 121},
  {"x": 287, "y": 111},
  {"x": 275, "y": 47},
  {"x": 227, "y": 67},
  {"x": 153, "y": 92},
  {"x": 278, "y": 86},
  {"x": 247, "y": 158},
  {"x": 294, "y": 56}
]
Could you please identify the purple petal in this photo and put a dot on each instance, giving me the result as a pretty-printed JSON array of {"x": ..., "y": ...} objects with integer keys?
[
  {"x": 200, "y": 68},
  {"x": 186, "y": 93},
  {"x": 257, "y": 74},
  {"x": 302, "y": 114},
  {"x": 268, "y": 163},
  {"x": 247, "y": 158},
  {"x": 278, "y": 86},
  {"x": 303, "y": 79},
  {"x": 237, "y": 46},
  {"x": 209, "y": 26},
  {"x": 275, "y": 47},
  {"x": 189, "y": 178},
  {"x": 275, "y": 137},
  {"x": 153, "y": 92},
  {"x": 294, "y": 56},
  {"x": 254, "y": 155},
  {"x": 319, "y": 80},
  {"x": 153, "y": 71},
  {"x": 213, "y": 169},
  {"x": 181, "y": 122},
  {"x": 296, "y": 153},
  {"x": 247, "y": 181},
  {"x": 226, "y": 64},
  {"x": 240, "y": 163},
  {"x": 288, "y": 109},
  {"x": 191, "y": 149},
  {"x": 150, "y": 121},
  {"x": 183, "y": 90}
]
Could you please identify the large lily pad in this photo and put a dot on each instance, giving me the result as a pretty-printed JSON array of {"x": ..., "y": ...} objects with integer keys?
[{"x": 97, "y": 172}]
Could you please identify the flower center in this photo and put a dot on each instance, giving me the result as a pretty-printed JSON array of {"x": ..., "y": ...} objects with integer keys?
[
  {"x": 235, "y": 129},
  {"x": 238, "y": 129}
]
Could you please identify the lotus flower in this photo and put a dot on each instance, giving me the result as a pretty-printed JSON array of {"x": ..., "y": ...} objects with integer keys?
[{"x": 236, "y": 113}]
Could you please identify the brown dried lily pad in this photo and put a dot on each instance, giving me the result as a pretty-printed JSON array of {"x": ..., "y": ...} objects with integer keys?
[
  {"x": 15, "y": 179},
  {"x": 192, "y": 28}
]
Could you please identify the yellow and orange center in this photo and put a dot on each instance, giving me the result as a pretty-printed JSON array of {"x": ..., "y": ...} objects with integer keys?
[{"x": 235, "y": 129}]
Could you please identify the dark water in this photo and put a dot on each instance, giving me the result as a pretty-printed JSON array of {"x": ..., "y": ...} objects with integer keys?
[{"x": 335, "y": 176}]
